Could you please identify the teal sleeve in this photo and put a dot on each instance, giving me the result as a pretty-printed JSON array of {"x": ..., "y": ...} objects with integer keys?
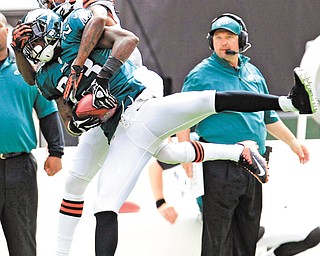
[{"x": 44, "y": 107}]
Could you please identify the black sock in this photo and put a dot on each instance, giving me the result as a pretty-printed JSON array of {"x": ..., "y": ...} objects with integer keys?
[
  {"x": 106, "y": 233},
  {"x": 243, "y": 101}
]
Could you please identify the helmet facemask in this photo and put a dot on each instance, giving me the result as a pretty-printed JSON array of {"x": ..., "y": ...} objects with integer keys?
[{"x": 46, "y": 33}]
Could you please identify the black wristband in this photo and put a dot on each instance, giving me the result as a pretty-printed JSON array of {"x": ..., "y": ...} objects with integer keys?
[
  {"x": 160, "y": 202},
  {"x": 111, "y": 66}
]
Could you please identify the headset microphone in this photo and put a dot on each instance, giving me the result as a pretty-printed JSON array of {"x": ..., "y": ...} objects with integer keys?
[{"x": 231, "y": 52}]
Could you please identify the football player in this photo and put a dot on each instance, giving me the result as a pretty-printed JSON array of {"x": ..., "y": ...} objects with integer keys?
[
  {"x": 104, "y": 14},
  {"x": 142, "y": 122}
]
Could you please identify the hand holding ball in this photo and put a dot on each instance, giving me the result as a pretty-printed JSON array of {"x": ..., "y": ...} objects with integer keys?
[{"x": 85, "y": 109}]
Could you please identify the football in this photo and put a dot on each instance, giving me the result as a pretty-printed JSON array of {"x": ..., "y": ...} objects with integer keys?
[{"x": 85, "y": 109}]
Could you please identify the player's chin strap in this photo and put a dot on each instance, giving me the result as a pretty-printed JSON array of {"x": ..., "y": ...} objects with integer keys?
[{"x": 47, "y": 53}]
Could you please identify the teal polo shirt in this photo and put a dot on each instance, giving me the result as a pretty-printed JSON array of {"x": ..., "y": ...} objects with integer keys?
[
  {"x": 17, "y": 101},
  {"x": 230, "y": 127}
]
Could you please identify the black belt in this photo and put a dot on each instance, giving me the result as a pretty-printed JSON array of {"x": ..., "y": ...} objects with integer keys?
[{"x": 10, "y": 155}]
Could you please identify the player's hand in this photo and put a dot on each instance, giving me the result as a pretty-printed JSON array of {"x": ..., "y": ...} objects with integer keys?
[
  {"x": 52, "y": 165},
  {"x": 102, "y": 97},
  {"x": 188, "y": 167},
  {"x": 77, "y": 125},
  {"x": 72, "y": 83},
  {"x": 20, "y": 35},
  {"x": 168, "y": 212}
]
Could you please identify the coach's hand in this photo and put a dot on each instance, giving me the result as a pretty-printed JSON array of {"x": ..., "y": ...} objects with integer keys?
[{"x": 52, "y": 165}]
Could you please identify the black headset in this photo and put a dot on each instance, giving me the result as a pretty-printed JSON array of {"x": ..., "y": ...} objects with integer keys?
[{"x": 243, "y": 37}]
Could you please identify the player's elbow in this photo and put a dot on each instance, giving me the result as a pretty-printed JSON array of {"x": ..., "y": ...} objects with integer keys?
[
  {"x": 132, "y": 39},
  {"x": 30, "y": 81},
  {"x": 99, "y": 20},
  {"x": 136, "y": 40},
  {"x": 28, "y": 78}
]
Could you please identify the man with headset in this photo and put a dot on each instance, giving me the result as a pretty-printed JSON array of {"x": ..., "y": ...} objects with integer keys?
[{"x": 232, "y": 202}]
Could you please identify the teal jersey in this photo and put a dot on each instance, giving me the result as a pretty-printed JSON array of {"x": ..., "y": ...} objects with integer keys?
[
  {"x": 230, "y": 127},
  {"x": 51, "y": 78},
  {"x": 18, "y": 100}
]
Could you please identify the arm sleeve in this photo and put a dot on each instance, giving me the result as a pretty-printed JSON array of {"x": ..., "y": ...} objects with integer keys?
[{"x": 52, "y": 130}]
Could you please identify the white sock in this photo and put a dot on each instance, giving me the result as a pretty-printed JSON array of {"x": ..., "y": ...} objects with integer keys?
[
  {"x": 184, "y": 152},
  {"x": 66, "y": 229},
  {"x": 286, "y": 104},
  {"x": 63, "y": 245},
  {"x": 221, "y": 152}
]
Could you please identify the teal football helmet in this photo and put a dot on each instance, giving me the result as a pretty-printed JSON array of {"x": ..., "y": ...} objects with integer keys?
[{"x": 46, "y": 28}]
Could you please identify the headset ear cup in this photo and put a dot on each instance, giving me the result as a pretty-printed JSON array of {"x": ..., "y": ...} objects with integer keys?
[
  {"x": 243, "y": 40},
  {"x": 210, "y": 41}
]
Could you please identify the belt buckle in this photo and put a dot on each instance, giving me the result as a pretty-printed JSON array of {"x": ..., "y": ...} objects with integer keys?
[{"x": 2, "y": 156}]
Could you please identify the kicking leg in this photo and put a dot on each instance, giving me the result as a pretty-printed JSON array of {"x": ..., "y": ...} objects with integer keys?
[{"x": 168, "y": 115}]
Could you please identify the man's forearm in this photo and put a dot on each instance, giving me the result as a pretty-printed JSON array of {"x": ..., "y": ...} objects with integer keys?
[
  {"x": 89, "y": 40},
  {"x": 52, "y": 131}
]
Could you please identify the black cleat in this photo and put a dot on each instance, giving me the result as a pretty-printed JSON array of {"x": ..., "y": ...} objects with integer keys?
[
  {"x": 254, "y": 163},
  {"x": 302, "y": 96}
]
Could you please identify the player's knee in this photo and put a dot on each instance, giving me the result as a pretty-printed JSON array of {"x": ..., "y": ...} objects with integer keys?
[{"x": 75, "y": 185}]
